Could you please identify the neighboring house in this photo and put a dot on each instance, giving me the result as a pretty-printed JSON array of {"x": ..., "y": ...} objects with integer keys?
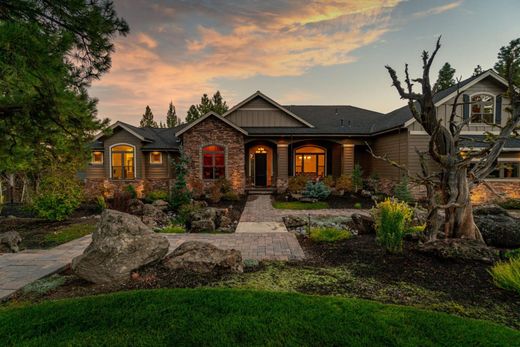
[{"x": 260, "y": 143}]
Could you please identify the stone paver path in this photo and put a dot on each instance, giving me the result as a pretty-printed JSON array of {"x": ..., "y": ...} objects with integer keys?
[{"x": 19, "y": 269}]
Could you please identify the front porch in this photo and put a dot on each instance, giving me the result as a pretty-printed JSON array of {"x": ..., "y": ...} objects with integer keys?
[{"x": 270, "y": 163}]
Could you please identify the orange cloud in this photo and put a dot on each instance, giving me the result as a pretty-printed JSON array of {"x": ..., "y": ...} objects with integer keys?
[{"x": 154, "y": 70}]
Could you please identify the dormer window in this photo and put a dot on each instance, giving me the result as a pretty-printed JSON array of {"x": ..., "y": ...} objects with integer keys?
[{"x": 482, "y": 109}]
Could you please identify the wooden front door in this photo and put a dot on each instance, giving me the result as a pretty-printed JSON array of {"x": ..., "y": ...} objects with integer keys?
[{"x": 261, "y": 169}]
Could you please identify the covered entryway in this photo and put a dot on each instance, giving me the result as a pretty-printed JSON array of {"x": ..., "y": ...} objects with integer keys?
[{"x": 260, "y": 165}]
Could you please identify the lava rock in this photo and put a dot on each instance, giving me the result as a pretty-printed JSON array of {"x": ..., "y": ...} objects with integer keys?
[{"x": 364, "y": 224}]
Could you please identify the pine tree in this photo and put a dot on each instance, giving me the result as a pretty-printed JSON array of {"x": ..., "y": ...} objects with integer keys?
[
  {"x": 445, "y": 79},
  {"x": 147, "y": 120},
  {"x": 193, "y": 114},
  {"x": 171, "y": 117},
  {"x": 219, "y": 105},
  {"x": 508, "y": 59},
  {"x": 478, "y": 70},
  {"x": 205, "y": 105}
]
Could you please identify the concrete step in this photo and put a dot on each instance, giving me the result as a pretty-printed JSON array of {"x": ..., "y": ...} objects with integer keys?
[{"x": 260, "y": 191}]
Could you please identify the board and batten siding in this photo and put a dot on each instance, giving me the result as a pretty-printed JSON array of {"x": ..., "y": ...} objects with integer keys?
[
  {"x": 260, "y": 113},
  {"x": 395, "y": 147},
  {"x": 156, "y": 170},
  {"x": 487, "y": 85},
  {"x": 123, "y": 136}
]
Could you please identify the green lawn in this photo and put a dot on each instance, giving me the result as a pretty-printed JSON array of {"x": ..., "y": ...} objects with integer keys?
[
  {"x": 224, "y": 317},
  {"x": 298, "y": 205},
  {"x": 68, "y": 233}
]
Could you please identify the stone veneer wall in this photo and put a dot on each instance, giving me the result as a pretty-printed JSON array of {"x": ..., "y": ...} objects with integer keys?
[
  {"x": 106, "y": 187},
  {"x": 213, "y": 131}
]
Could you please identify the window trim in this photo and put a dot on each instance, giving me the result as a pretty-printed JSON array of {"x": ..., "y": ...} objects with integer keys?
[
  {"x": 494, "y": 97},
  {"x": 110, "y": 161},
  {"x": 311, "y": 145},
  {"x": 202, "y": 161},
  {"x": 156, "y": 162},
  {"x": 93, "y": 162}
]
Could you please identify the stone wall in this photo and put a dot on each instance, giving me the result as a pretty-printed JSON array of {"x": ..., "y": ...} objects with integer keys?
[
  {"x": 213, "y": 131},
  {"x": 106, "y": 187},
  {"x": 505, "y": 189}
]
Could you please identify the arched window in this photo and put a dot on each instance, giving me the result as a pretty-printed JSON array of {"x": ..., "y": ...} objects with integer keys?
[
  {"x": 213, "y": 162},
  {"x": 310, "y": 161},
  {"x": 482, "y": 108},
  {"x": 123, "y": 162}
]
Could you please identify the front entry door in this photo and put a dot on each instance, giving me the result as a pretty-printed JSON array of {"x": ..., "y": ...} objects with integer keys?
[{"x": 260, "y": 169}]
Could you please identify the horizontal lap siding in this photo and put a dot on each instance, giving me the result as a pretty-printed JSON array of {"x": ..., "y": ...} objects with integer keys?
[
  {"x": 419, "y": 142},
  {"x": 394, "y": 147},
  {"x": 156, "y": 170},
  {"x": 95, "y": 171},
  {"x": 122, "y": 136}
]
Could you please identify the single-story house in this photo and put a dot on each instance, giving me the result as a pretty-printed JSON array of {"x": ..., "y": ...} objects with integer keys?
[{"x": 259, "y": 143}]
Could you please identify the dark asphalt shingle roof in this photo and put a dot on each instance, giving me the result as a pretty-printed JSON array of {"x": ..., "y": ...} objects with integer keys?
[{"x": 479, "y": 141}]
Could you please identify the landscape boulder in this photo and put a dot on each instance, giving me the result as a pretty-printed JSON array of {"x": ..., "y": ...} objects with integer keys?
[
  {"x": 202, "y": 226},
  {"x": 10, "y": 242},
  {"x": 364, "y": 224},
  {"x": 154, "y": 217},
  {"x": 161, "y": 205},
  {"x": 120, "y": 244},
  {"x": 460, "y": 249},
  {"x": 498, "y": 227},
  {"x": 293, "y": 222},
  {"x": 135, "y": 207},
  {"x": 203, "y": 257},
  {"x": 209, "y": 219}
]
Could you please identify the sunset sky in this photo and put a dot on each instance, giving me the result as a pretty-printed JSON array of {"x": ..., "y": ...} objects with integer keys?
[{"x": 297, "y": 52}]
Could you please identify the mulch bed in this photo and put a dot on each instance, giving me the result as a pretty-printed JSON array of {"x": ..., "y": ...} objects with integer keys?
[
  {"x": 349, "y": 200},
  {"x": 467, "y": 282}
]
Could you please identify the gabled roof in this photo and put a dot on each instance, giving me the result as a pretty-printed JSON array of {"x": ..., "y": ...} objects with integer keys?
[
  {"x": 153, "y": 138},
  {"x": 272, "y": 102},
  {"x": 209, "y": 114}
]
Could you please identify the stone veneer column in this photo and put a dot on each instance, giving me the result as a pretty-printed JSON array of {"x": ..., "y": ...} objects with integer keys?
[
  {"x": 282, "y": 176},
  {"x": 347, "y": 159}
]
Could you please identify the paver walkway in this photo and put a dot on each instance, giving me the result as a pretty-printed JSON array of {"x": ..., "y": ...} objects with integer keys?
[{"x": 19, "y": 269}]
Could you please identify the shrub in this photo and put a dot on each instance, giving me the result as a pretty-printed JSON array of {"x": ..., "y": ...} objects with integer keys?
[
  {"x": 101, "y": 204},
  {"x": 509, "y": 204},
  {"x": 184, "y": 212},
  {"x": 514, "y": 253},
  {"x": 506, "y": 275},
  {"x": 402, "y": 191},
  {"x": 197, "y": 187},
  {"x": 57, "y": 197},
  {"x": 225, "y": 185},
  {"x": 180, "y": 194},
  {"x": 121, "y": 200},
  {"x": 215, "y": 192},
  {"x": 358, "y": 205},
  {"x": 230, "y": 196},
  {"x": 297, "y": 183},
  {"x": 416, "y": 229},
  {"x": 316, "y": 190},
  {"x": 373, "y": 182},
  {"x": 344, "y": 182},
  {"x": 172, "y": 229},
  {"x": 130, "y": 189},
  {"x": 328, "y": 181},
  {"x": 392, "y": 220},
  {"x": 156, "y": 195},
  {"x": 357, "y": 178},
  {"x": 329, "y": 234}
]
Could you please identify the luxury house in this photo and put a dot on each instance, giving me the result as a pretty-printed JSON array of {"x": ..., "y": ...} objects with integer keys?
[{"x": 260, "y": 143}]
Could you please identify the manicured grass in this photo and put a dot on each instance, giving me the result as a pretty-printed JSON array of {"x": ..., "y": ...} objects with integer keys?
[
  {"x": 173, "y": 229},
  {"x": 298, "y": 205},
  {"x": 220, "y": 317},
  {"x": 69, "y": 233},
  {"x": 329, "y": 234}
]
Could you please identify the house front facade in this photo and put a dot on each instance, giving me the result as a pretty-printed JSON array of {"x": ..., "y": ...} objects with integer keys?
[{"x": 260, "y": 144}]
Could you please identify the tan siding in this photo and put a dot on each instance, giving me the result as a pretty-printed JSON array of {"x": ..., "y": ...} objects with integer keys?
[
  {"x": 419, "y": 142},
  {"x": 156, "y": 170},
  {"x": 259, "y": 113},
  {"x": 283, "y": 161},
  {"x": 394, "y": 147},
  {"x": 94, "y": 171},
  {"x": 122, "y": 136},
  {"x": 347, "y": 159},
  {"x": 484, "y": 86}
]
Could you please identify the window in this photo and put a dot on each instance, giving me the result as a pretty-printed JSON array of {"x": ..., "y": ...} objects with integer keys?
[
  {"x": 504, "y": 170},
  {"x": 156, "y": 158},
  {"x": 123, "y": 164},
  {"x": 97, "y": 158},
  {"x": 482, "y": 108},
  {"x": 310, "y": 161},
  {"x": 213, "y": 162}
]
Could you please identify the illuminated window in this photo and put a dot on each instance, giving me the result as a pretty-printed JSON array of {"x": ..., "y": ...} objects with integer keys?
[
  {"x": 310, "y": 161},
  {"x": 156, "y": 158},
  {"x": 213, "y": 162},
  {"x": 97, "y": 157},
  {"x": 123, "y": 162},
  {"x": 482, "y": 108}
]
